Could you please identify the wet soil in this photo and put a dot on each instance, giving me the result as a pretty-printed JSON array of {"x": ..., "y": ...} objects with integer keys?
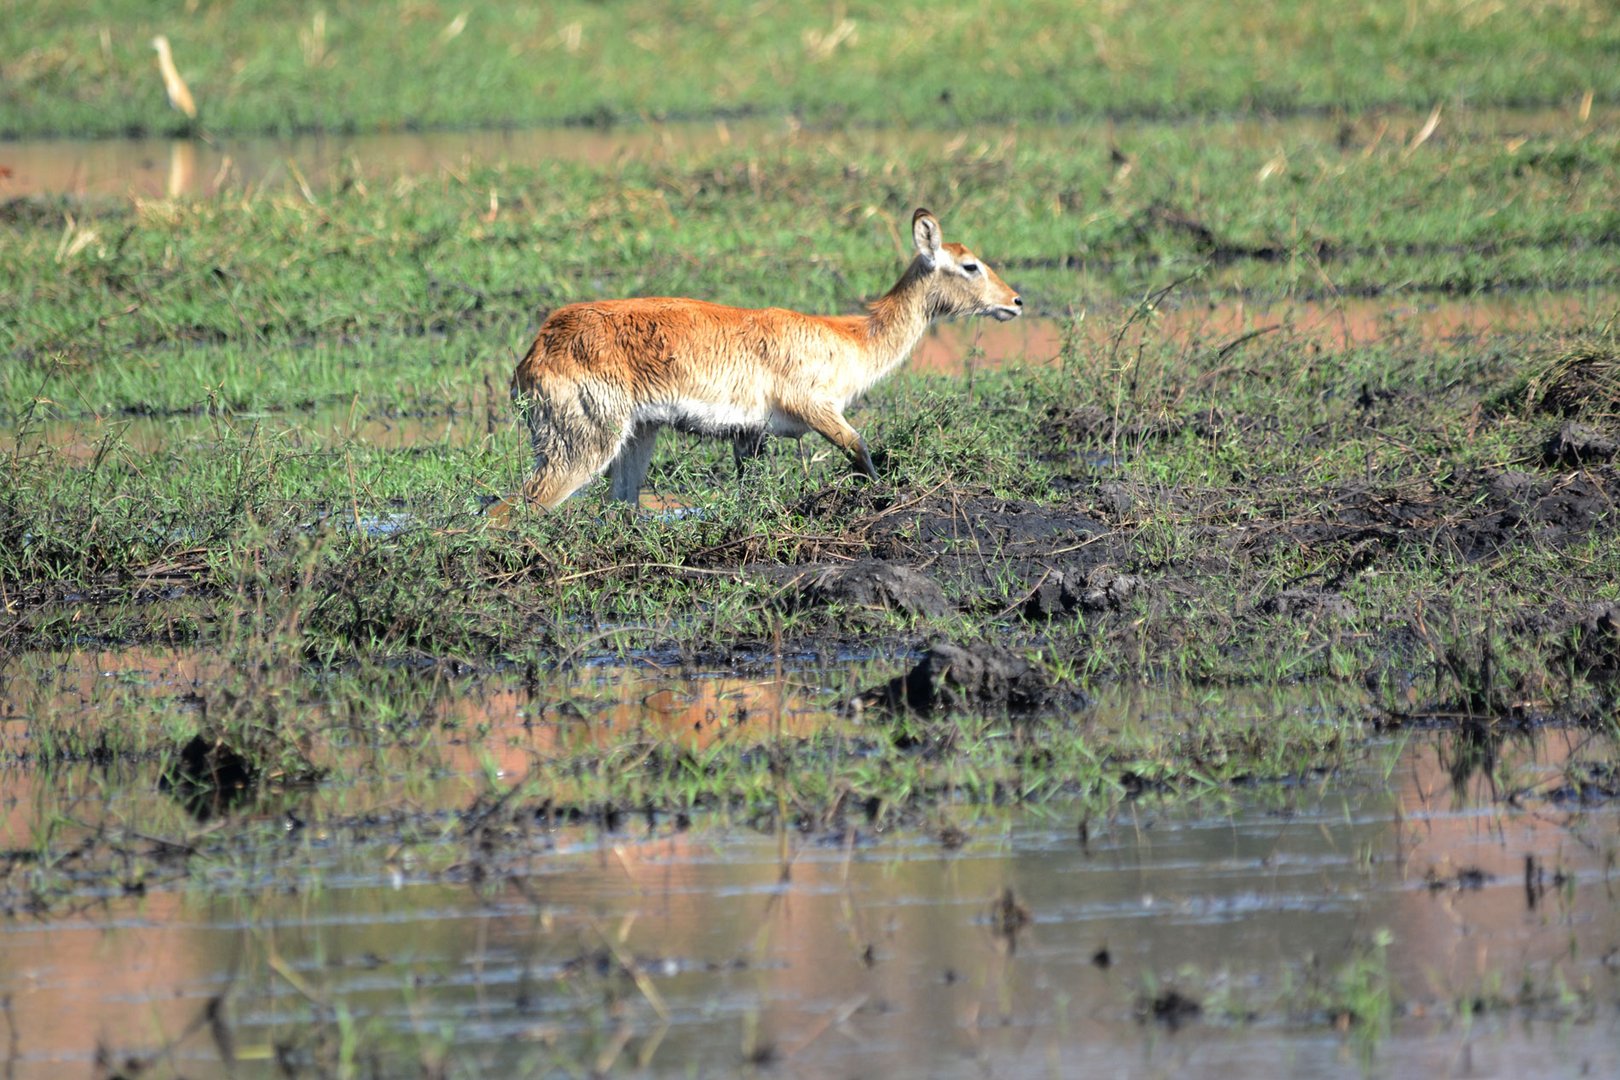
[
  {"x": 1016, "y": 560},
  {"x": 952, "y": 678}
]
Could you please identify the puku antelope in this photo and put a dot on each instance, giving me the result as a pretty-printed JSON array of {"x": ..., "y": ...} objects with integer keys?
[{"x": 603, "y": 377}]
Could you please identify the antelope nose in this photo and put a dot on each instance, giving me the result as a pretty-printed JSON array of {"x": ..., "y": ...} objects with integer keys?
[{"x": 1018, "y": 301}]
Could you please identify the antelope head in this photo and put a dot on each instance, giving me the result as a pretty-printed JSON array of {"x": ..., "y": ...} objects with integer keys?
[{"x": 959, "y": 283}]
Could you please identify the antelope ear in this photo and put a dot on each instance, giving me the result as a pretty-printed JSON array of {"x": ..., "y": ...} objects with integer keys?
[{"x": 925, "y": 231}]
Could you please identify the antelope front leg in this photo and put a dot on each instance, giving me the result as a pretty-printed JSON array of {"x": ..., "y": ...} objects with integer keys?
[
  {"x": 862, "y": 458},
  {"x": 832, "y": 426}
]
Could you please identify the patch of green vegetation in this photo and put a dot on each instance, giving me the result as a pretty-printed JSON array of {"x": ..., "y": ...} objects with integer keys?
[
  {"x": 1366, "y": 520},
  {"x": 346, "y": 66},
  {"x": 403, "y": 298},
  {"x": 1357, "y": 996}
]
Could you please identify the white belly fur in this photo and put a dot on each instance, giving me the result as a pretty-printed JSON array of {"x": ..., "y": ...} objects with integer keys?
[{"x": 715, "y": 419}]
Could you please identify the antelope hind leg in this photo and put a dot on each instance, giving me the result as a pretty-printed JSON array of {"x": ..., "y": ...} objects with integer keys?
[
  {"x": 628, "y": 472},
  {"x": 745, "y": 447}
]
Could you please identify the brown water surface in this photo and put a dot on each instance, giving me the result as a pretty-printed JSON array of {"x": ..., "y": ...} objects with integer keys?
[
  {"x": 168, "y": 168},
  {"x": 850, "y": 953},
  {"x": 503, "y": 728},
  {"x": 1312, "y": 326},
  {"x": 159, "y": 168}
]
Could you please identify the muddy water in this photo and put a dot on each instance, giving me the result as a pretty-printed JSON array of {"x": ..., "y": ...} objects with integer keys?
[
  {"x": 500, "y": 727},
  {"x": 158, "y": 168},
  {"x": 82, "y": 440},
  {"x": 1332, "y": 325},
  {"x": 884, "y": 954},
  {"x": 695, "y": 950},
  {"x": 178, "y": 167},
  {"x": 155, "y": 168}
]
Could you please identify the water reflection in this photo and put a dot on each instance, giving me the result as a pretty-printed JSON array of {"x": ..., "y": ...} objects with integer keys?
[
  {"x": 150, "y": 167},
  {"x": 857, "y": 952},
  {"x": 881, "y": 952},
  {"x": 154, "y": 168},
  {"x": 1330, "y": 325},
  {"x": 461, "y": 735},
  {"x": 80, "y": 441}
]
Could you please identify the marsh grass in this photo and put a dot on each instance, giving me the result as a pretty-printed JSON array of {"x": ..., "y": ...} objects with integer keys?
[
  {"x": 397, "y": 296},
  {"x": 246, "y": 753},
  {"x": 258, "y": 430},
  {"x": 284, "y": 68},
  {"x": 208, "y": 451},
  {"x": 1583, "y": 382},
  {"x": 1227, "y": 487}
]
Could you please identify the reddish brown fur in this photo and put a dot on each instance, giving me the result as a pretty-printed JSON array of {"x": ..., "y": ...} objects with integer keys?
[{"x": 603, "y": 377}]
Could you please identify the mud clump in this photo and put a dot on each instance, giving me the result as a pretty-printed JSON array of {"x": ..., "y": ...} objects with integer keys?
[
  {"x": 1102, "y": 589},
  {"x": 1172, "y": 1008},
  {"x": 1116, "y": 500},
  {"x": 1576, "y": 444},
  {"x": 1596, "y": 646},
  {"x": 1009, "y": 917},
  {"x": 1588, "y": 783},
  {"x": 1511, "y": 487},
  {"x": 1008, "y": 526},
  {"x": 1584, "y": 382},
  {"x": 979, "y": 678},
  {"x": 210, "y": 777},
  {"x": 1519, "y": 507},
  {"x": 874, "y": 584},
  {"x": 1091, "y": 424},
  {"x": 1477, "y": 513},
  {"x": 1303, "y": 603}
]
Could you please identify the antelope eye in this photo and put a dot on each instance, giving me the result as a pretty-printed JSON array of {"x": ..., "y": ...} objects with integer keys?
[{"x": 970, "y": 268}]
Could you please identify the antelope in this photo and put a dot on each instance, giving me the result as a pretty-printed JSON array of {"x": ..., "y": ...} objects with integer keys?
[{"x": 603, "y": 377}]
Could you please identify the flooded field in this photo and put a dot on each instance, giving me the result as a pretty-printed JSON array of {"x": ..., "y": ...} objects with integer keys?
[
  {"x": 172, "y": 168},
  {"x": 1219, "y": 678},
  {"x": 1443, "y": 904},
  {"x": 1334, "y": 326},
  {"x": 158, "y": 168}
]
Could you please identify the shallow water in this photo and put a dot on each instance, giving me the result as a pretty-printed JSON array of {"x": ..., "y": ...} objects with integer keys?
[
  {"x": 517, "y": 722},
  {"x": 155, "y": 168},
  {"x": 1332, "y": 325},
  {"x": 83, "y": 439},
  {"x": 699, "y": 949},
  {"x": 882, "y": 954}
]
